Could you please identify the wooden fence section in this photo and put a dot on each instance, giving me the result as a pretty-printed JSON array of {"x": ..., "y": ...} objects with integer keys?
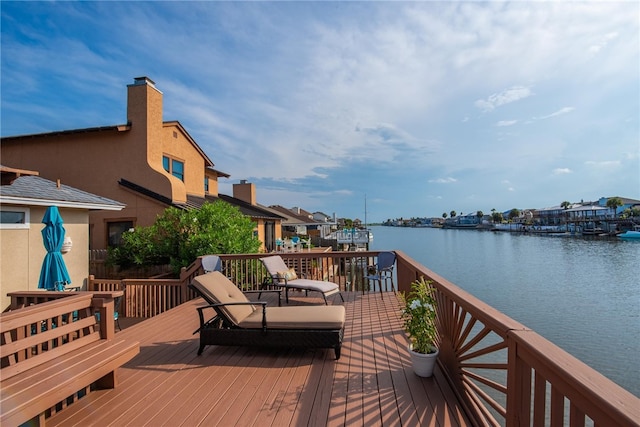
[
  {"x": 506, "y": 374},
  {"x": 145, "y": 298},
  {"x": 347, "y": 269}
]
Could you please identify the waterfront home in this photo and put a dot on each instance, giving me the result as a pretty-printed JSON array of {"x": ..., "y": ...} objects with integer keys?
[{"x": 146, "y": 163}]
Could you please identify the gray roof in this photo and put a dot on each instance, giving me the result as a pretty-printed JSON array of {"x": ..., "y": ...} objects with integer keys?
[
  {"x": 33, "y": 190},
  {"x": 588, "y": 208}
]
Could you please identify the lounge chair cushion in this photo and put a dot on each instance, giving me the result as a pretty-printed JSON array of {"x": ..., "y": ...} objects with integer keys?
[
  {"x": 218, "y": 288},
  {"x": 313, "y": 285},
  {"x": 298, "y": 317},
  {"x": 288, "y": 275},
  {"x": 274, "y": 264}
]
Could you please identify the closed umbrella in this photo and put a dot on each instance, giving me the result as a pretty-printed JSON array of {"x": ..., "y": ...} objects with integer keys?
[{"x": 54, "y": 275}]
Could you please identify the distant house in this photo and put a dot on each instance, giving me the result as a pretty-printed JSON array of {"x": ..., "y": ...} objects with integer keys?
[
  {"x": 297, "y": 221},
  {"x": 323, "y": 217},
  {"x": 24, "y": 198},
  {"x": 626, "y": 204},
  {"x": 147, "y": 163}
]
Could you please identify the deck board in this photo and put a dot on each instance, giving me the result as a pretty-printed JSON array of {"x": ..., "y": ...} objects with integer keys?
[{"x": 372, "y": 384}]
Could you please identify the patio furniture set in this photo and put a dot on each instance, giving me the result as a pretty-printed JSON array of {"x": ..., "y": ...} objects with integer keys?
[{"x": 240, "y": 322}]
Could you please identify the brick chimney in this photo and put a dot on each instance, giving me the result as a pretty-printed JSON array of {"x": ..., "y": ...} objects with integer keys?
[{"x": 245, "y": 191}]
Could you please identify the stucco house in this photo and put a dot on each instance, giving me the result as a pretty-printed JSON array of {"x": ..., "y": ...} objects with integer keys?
[
  {"x": 146, "y": 163},
  {"x": 24, "y": 197}
]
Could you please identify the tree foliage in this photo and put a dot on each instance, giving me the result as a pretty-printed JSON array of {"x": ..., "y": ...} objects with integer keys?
[
  {"x": 614, "y": 203},
  {"x": 178, "y": 237}
]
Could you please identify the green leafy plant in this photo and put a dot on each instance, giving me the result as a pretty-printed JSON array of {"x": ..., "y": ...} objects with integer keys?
[
  {"x": 419, "y": 316},
  {"x": 178, "y": 237}
]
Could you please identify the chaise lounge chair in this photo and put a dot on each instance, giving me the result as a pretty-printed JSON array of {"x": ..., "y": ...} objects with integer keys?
[
  {"x": 283, "y": 276},
  {"x": 241, "y": 322}
]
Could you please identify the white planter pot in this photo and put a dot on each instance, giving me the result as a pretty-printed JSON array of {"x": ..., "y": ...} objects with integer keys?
[{"x": 423, "y": 363}]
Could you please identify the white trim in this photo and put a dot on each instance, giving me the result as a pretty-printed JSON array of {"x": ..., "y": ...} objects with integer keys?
[
  {"x": 27, "y": 218},
  {"x": 60, "y": 203}
]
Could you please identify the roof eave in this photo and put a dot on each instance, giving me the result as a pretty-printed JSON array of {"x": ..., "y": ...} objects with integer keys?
[{"x": 25, "y": 201}]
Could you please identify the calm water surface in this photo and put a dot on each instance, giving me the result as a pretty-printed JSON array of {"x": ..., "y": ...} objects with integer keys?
[{"x": 582, "y": 295}]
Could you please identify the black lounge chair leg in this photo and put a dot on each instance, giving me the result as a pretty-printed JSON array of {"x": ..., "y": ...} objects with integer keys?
[
  {"x": 337, "y": 351},
  {"x": 341, "y": 297},
  {"x": 201, "y": 349},
  {"x": 325, "y": 299}
]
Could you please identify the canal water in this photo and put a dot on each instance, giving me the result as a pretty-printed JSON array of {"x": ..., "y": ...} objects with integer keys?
[{"x": 581, "y": 294}]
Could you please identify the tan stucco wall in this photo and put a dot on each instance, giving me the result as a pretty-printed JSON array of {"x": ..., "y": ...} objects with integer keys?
[
  {"x": 22, "y": 252},
  {"x": 176, "y": 144}
]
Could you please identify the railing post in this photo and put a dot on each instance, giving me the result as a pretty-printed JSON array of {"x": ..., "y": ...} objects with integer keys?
[
  {"x": 104, "y": 306},
  {"x": 518, "y": 387}
]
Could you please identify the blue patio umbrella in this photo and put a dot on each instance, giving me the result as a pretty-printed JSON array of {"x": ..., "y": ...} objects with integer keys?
[{"x": 54, "y": 275}]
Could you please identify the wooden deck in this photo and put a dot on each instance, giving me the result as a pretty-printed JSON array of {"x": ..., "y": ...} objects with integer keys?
[{"x": 372, "y": 384}]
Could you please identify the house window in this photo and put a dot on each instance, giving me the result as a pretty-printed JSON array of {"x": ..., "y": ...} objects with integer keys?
[
  {"x": 174, "y": 167},
  {"x": 206, "y": 184},
  {"x": 177, "y": 169},
  {"x": 115, "y": 230},
  {"x": 11, "y": 217}
]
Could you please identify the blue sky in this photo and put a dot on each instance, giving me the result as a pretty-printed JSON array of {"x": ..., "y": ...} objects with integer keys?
[{"x": 422, "y": 107}]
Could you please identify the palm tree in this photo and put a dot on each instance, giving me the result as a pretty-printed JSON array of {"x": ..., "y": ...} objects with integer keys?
[
  {"x": 614, "y": 203},
  {"x": 565, "y": 205},
  {"x": 444, "y": 215},
  {"x": 452, "y": 214},
  {"x": 479, "y": 214}
]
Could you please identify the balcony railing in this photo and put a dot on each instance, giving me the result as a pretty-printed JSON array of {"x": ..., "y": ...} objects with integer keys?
[{"x": 503, "y": 372}]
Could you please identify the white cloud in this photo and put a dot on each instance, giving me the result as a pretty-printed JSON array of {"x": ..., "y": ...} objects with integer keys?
[
  {"x": 503, "y": 123},
  {"x": 602, "y": 43},
  {"x": 560, "y": 112},
  {"x": 448, "y": 180},
  {"x": 603, "y": 164},
  {"x": 508, "y": 96},
  {"x": 562, "y": 171}
]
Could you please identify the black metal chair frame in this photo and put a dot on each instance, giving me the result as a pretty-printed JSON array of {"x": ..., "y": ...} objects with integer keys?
[
  {"x": 219, "y": 330},
  {"x": 383, "y": 272}
]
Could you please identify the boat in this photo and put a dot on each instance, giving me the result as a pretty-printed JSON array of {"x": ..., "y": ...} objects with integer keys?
[{"x": 630, "y": 235}]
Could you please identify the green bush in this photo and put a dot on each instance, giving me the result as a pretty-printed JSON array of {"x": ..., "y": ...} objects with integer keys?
[{"x": 178, "y": 237}]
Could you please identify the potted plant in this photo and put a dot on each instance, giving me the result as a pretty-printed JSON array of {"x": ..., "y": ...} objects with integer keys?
[{"x": 419, "y": 317}]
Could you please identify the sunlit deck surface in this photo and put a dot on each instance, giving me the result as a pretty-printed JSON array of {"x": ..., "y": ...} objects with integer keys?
[{"x": 372, "y": 383}]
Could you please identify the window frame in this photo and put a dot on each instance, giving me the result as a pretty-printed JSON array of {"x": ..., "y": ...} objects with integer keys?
[
  {"x": 113, "y": 221},
  {"x": 16, "y": 226},
  {"x": 171, "y": 162}
]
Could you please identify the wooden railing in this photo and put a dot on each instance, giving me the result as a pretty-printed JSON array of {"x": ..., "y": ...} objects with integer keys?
[
  {"x": 503, "y": 372},
  {"x": 506, "y": 374},
  {"x": 146, "y": 297}
]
